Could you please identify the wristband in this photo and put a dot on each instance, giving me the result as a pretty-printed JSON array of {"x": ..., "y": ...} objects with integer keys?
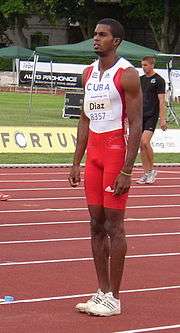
[{"x": 126, "y": 174}]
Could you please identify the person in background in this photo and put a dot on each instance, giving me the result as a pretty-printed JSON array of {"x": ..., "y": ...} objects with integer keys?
[
  {"x": 153, "y": 88},
  {"x": 112, "y": 93}
]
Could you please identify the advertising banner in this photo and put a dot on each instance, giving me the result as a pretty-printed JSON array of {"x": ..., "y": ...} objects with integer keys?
[
  {"x": 37, "y": 139},
  {"x": 166, "y": 141},
  {"x": 63, "y": 140},
  {"x": 67, "y": 80},
  {"x": 69, "y": 75}
]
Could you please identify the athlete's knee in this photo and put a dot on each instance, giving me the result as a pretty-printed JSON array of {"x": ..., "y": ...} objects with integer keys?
[
  {"x": 97, "y": 228},
  {"x": 144, "y": 145},
  {"x": 115, "y": 229}
]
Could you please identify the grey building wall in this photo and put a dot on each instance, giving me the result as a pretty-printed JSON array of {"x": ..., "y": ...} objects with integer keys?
[{"x": 56, "y": 34}]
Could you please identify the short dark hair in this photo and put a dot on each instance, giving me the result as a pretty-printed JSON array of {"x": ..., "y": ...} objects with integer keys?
[
  {"x": 117, "y": 29},
  {"x": 150, "y": 59}
]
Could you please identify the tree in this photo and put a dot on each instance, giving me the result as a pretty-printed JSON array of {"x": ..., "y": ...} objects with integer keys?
[
  {"x": 3, "y": 27},
  {"x": 16, "y": 12},
  {"x": 85, "y": 12},
  {"x": 162, "y": 17}
]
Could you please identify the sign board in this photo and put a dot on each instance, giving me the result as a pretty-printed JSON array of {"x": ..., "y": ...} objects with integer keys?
[
  {"x": 37, "y": 139},
  {"x": 166, "y": 141},
  {"x": 63, "y": 140},
  {"x": 69, "y": 75},
  {"x": 73, "y": 102}
]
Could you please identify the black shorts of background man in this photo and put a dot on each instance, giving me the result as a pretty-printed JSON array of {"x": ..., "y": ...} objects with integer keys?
[{"x": 153, "y": 88}]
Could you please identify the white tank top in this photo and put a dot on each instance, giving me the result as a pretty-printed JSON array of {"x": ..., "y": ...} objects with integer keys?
[{"x": 104, "y": 102}]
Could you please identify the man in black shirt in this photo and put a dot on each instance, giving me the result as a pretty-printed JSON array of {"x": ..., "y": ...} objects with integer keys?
[{"x": 153, "y": 88}]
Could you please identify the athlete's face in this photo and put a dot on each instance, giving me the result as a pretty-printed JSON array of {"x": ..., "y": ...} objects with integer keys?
[
  {"x": 147, "y": 67},
  {"x": 104, "y": 40}
]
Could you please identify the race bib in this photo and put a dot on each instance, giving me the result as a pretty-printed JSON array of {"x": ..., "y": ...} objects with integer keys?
[{"x": 98, "y": 109}]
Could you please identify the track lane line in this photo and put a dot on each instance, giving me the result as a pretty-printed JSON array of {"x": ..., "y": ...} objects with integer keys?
[
  {"x": 67, "y": 260},
  {"x": 81, "y": 208},
  {"x": 66, "y": 180},
  {"x": 84, "y": 238},
  {"x": 128, "y": 291},
  {"x": 83, "y": 197},
  {"x": 150, "y": 329},
  {"x": 23, "y": 224},
  {"x": 138, "y": 171},
  {"x": 68, "y": 188}
]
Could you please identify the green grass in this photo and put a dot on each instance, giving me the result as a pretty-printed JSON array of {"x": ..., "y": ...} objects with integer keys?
[
  {"x": 47, "y": 111},
  {"x": 67, "y": 158}
]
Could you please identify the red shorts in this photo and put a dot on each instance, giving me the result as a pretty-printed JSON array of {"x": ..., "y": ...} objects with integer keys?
[{"x": 105, "y": 158}]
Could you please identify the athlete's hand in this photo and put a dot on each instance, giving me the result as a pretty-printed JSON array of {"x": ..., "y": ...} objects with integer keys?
[
  {"x": 163, "y": 124},
  {"x": 122, "y": 184},
  {"x": 74, "y": 176}
]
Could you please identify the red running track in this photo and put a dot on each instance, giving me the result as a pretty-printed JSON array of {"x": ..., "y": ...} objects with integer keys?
[{"x": 46, "y": 261}]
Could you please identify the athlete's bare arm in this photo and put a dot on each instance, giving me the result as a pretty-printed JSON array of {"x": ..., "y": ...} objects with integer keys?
[
  {"x": 162, "y": 111},
  {"x": 133, "y": 98},
  {"x": 82, "y": 137}
]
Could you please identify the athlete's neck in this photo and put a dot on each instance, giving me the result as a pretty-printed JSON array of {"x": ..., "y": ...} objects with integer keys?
[
  {"x": 151, "y": 73},
  {"x": 107, "y": 62}
]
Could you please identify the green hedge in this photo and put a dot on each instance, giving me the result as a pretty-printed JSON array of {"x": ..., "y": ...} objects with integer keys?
[{"x": 5, "y": 64}]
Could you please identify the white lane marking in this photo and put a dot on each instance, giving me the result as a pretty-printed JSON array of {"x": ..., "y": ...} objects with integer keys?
[
  {"x": 53, "y": 298},
  {"x": 81, "y": 188},
  {"x": 52, "y": 172},
  {"x": 66, "y": 260},
  {"x": 33, "y": 180},
  {"x": 87, "y": 221},
  {"x": 39, "y": 223},
  {"x": 163, "y": 178},
  {"x": 80, "y": 208},
  {"x": 150, "y": 329},
  {"x": 83, "y": 197},
  {"x": 33, "y": 173},
  {"x": 50, "y": 198},
  {"x": 84, "y": 238},
  {"x": 43, "y": 189},
  {"x": 65, "y": 180},
  {"x": 137, "y": 170},
  {"x": 154, "y": 186}
]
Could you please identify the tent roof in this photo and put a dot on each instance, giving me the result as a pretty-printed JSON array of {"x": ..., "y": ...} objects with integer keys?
[
  {"x": 85, "y": 49},
  {"x": 15, "y": 52}
]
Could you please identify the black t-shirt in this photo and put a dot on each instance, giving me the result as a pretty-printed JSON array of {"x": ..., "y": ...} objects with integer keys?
[{"x": 151, "y": 87}]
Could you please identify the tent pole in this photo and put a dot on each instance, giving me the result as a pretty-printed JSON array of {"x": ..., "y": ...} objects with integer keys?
[
  {"x": 14, "y": 66},
  {"x": 17, "y": 71},
  {"x": 51, "y": 77},
  {"x": 171, "y": 113},
  {"x": 32, "y": 81}
]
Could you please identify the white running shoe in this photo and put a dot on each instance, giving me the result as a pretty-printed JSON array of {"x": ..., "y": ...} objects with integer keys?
[
  {"x": 94, "y": 300},
  {"x": 142, "y": 179},
  {"x": 151, "y": 177},
  {"x": 109, "y": 306}
]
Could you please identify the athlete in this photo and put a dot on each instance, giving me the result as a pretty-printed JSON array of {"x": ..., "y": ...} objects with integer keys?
[
  {"x": 153, "y": 88},
  {"x": 112, "y": 93}
]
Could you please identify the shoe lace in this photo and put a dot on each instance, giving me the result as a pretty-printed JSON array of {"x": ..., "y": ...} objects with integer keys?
[
  {"x": 107, "y": 302},
  {"x": 143, "y": 177},
  {"x": 96, "y": 298}
]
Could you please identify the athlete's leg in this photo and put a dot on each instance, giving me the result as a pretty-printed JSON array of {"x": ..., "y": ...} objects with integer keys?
[
  {"x": 118, "y": 246},
  {"x": 114, "y": 207},
  {"x": 100, "y": 246},
  {"x": 146, "y": 151},
  {"x": 94, "y": 196}
]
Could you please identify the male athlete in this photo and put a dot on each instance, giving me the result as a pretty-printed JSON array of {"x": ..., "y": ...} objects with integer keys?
[
  {"x": 153, "y": 88},
  {"x": 112, "y": 93}
]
